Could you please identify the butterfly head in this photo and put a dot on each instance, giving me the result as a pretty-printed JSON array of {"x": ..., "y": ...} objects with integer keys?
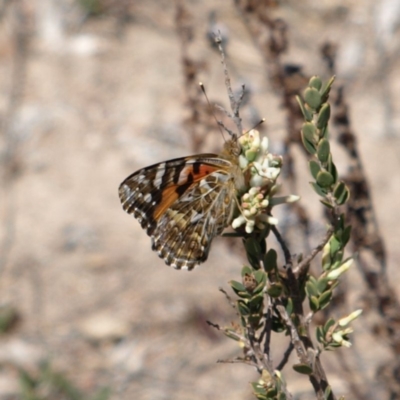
[{"x": 232, "y": 148}]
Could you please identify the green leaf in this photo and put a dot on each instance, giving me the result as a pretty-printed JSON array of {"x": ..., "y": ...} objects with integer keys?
[
  {"x": 312, "y": 280},
  {"x": 303, "y": 369},
  {"x": 325, "y": 299},
  {"x": 271, "y": 393},
  {"x": 260, "y": 276},
  {"x": 321, "y": 284},
  {"x": 259, "y": 390},
  {"x": 259, "y": 288},
  {"x": 313, "y": 98},
  {"x": 252, "y": 246},
  {"x": 319, "y": 333},
  {"x": 315, "y": 82},
  {"x": 324, "y": 133},
  {"x": 327, "y": 393},
  {"x": 326, "y": 203},
  {"x": 270, "y": 260},
  {"x": 323, "y": 150},
  {"x": 242, "y": 307},
  {"x": 346, "y": 235},
  {"x": 237, "y": 286},
  {"x": 323, "y": 116},
  {"x": 314, "y": 303},
  {"x": 275, "y": 290},
  {"x": 331, "y": 168},
  {"x": 328, "y": 325},
  {"x": 309, "y": 132},
  {"x": 240, "y": 290},
  {"x": 318, "y": 189},
  {"x": 335, "y": 246},
  {"x": 255, "y": 303},
  {"x": 306, "y": 113},
  {"x": 314, "y": 168},
  {"x": 344, "y": 196},
  {"x": 327, "y": 88},
  {"x": 253, "y": 252},
  {"x": 339, "y": 190},
  {"x": 311, "y": 289},
  {"x": 309, "y": 146},
  {"x": 324, "y": 179}
]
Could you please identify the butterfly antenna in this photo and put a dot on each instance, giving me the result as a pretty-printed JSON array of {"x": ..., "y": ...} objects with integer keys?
[
  {"x": 254, "y": 127},
  {"x": 261, "y": 121},
  {"x": 219, "y": 123}
]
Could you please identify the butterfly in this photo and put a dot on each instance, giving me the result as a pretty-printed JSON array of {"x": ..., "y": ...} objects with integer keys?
[{"x": 185, "y": 202}]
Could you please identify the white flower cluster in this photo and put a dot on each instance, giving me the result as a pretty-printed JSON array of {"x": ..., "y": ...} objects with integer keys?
[{"x": 261, "y": 170}]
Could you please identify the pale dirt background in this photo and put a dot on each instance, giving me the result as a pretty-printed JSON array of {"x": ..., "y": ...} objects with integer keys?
[{"x": 100, "y": 101}]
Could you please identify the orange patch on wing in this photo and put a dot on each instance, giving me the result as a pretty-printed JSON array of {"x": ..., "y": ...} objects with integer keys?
[{"x": 169, "y": 196}]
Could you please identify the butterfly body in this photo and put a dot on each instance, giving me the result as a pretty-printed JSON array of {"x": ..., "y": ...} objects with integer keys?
[{"x": 184, "y": 203}]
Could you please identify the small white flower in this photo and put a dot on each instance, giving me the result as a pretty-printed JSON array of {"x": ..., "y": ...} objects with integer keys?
[
  {"x": 243, "y": 162},
  {"x": 264, "y": 144},
  {"x": 272, "y": 220},
  {"x": 334, "y": 274},
  {"x": 351, "y": 317},
  {"x": 261, "y": 184},
  {"x": 239, "y": 221},
  {"x": 249, "y": 226}
]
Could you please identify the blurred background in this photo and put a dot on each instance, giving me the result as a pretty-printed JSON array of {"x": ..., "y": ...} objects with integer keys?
[{"x": 92, "y": 90}]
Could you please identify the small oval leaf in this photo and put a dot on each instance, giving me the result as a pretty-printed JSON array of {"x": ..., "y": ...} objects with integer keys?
[
  {"x": 323, "y": 150},
  {"x": 311, "y": 289},
  {"x": 339, "y": 190},
  {"x": 323, "y": 116},
  {"x": 312, "y": 97},
  {"x": 315, "y": 82},
  {"x": 270, "y": 260},
  {"x": 324, "y": 179},
  {"x": 314, "y": 304},
  {"x": 344, "y": 197},
  {"x": 331, "y": 168},
  {"x": 309, "y": 146},
  {"x": 319, "y": 190},
  {"x": 314, "y": 168},
  {"x": 324, "y": 299},
  {"x": 275, "y": 290},
  {"x": 326, "y": 203},
  {"x": 327, "y": 88},
  {"x": 306, "y": 113},
  {"x": 310, "y": 132},
  {"x": 303, "y": 369}
]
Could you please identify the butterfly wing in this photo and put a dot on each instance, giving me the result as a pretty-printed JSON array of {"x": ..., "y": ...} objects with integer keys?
[{"x": 182, "y": 204}]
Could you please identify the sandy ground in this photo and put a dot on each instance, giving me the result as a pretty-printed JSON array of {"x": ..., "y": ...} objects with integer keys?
[{"x": 95, "y": 106}]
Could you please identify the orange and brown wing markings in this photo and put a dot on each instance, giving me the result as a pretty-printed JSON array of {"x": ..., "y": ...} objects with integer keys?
[{"x": 187, "y": 177}]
